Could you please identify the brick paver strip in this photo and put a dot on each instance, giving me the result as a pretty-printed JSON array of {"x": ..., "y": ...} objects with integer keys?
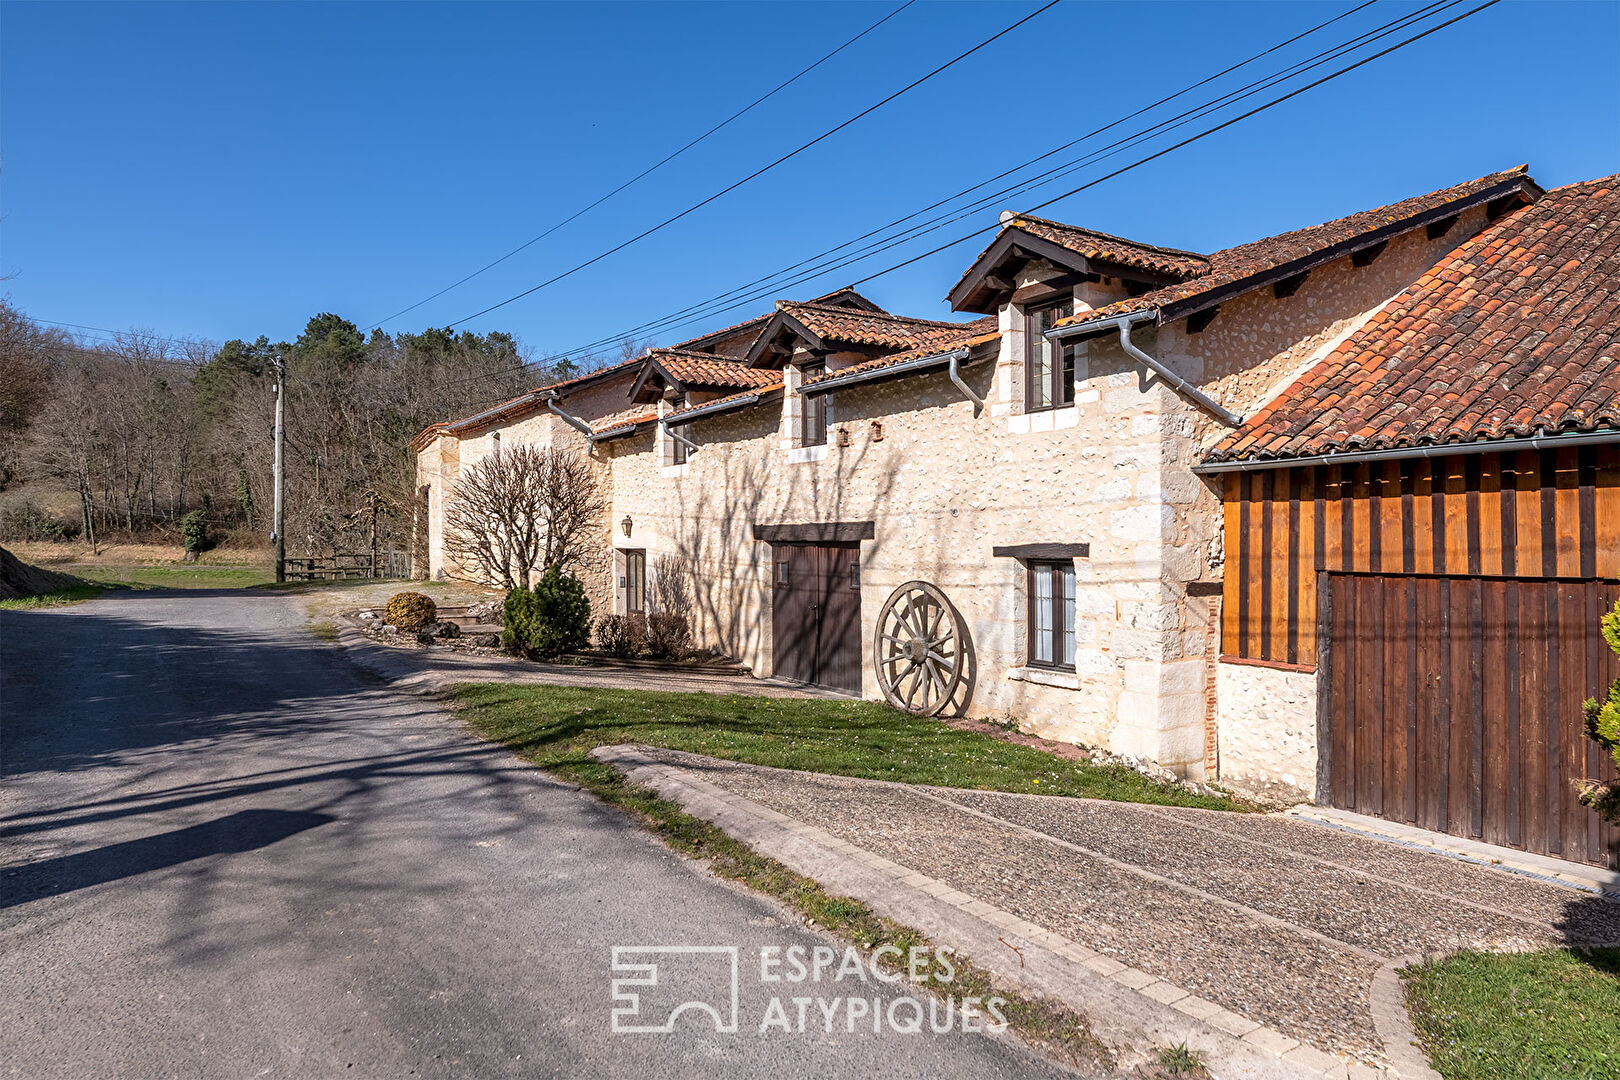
[{"x": 1120, "y": 1015}]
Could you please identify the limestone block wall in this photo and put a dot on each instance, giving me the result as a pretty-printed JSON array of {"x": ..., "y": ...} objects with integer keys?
[
  {"x": 437, "y": 469},
  {"x": 541, "y": 428},
  {"x": 1267, "y": 719},
  {"x": 945, "y": 486}
]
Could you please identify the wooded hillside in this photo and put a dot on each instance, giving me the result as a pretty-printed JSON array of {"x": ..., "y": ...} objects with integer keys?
[{"x": 121, "y": 436}]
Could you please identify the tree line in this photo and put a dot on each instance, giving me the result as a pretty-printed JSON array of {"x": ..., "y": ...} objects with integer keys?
[{"x": 135, "y": 431}]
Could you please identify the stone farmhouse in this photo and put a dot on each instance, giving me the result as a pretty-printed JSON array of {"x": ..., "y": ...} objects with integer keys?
[{"x": 1204, "y": 509}]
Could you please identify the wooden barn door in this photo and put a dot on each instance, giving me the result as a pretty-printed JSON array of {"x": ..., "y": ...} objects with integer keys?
[
  {"x": 1454, "y": 704},
  {"x": 816, "y": 614}
]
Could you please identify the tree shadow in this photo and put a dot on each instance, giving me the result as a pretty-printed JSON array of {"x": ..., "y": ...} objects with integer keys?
[{"x": 244, "y": 830}]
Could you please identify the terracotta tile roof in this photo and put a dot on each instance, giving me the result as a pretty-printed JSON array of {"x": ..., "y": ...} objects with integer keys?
[
  {"x": 506, "y": 410},
  {"x": 1516, "y": 332},
  {"x": 1234, "y": 266},
  {"x": 706, "y": 369},
  {"x": 733, "y": 401},
  {"x": 426, "y": 436},
  {"x": 1115, "y": 249},
  {"x": 968, "y": 335},
  {"x": 866, "y": 327},
  {"x": 570, "y": 385},
  {"x": 624, "y": 422},
  {"x": 757, "y": 323}
]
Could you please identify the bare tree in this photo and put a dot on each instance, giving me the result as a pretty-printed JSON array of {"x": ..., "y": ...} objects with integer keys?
[{"x": 520, "y": 511}]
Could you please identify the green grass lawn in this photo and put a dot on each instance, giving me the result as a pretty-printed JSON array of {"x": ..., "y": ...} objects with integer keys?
[
  {"x": 70, "y": 595},
  {"x": 557, "y": 727},
  {"x": 1484, "y": 1016},
  {"x": 179, "y": 576}
]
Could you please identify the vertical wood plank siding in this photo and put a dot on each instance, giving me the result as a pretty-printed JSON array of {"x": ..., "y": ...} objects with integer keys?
[{"x": 1524, "y": 515}]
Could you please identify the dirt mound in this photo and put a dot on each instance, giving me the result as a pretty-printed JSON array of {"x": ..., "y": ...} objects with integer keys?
[{"x": 18, "y": 579}]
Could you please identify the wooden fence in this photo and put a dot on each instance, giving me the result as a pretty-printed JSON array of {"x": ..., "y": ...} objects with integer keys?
[{"x": 385, "y": 564}]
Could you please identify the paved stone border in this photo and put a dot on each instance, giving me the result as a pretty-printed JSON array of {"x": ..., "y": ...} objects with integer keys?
[
  {"x": 1130, "y": 1009},
  {"x": 1394, "y": 1024},
  {"x": 1511, "y": 860}
]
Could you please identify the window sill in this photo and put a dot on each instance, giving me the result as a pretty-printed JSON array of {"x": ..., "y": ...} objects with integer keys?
[
  {"x": 1066, "y": 416},
  {"x": 1067, "y": 680},
  {"x": 800, "y": 454},
  {"x": 675, "y": 470}
]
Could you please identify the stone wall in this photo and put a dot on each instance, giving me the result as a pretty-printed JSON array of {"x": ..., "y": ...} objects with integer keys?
[
  {"x": 944, "y": 484},
  {"x": 1267, "y": 724}
]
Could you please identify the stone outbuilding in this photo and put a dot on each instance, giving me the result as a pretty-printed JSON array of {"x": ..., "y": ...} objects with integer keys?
[{"x": 1002, "y": 515}]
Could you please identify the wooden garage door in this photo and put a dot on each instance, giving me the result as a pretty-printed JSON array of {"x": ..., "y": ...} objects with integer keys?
[
  {"x": 816, "y": 614},
  {"x": 1454, "y": 704}
]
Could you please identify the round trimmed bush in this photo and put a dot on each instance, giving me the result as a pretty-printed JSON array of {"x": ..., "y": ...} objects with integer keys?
[{"x": 410, "y": 611}]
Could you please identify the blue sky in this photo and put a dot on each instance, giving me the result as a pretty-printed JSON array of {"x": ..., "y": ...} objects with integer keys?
[{"x": 228, "y": 169}]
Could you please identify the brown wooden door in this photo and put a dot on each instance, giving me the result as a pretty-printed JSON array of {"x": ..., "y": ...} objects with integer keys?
[
  {"x": 1454, "y": 704},
  {"x": 816, "y": 614}
]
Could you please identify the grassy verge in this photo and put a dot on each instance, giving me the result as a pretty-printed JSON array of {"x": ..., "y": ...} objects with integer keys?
[
  {"x": 557, "y": 727},
  {"x": 184, "y": 576},
  {"x": 70, "y": 595},
  {"x": 1046, "y": 1023},
  {"x": 1487, "y": 1015}
]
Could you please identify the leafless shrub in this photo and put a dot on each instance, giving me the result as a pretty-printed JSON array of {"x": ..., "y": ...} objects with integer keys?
[{"x": 520, "y": 511}]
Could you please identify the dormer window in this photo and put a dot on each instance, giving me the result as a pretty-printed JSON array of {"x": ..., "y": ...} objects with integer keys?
[
  {"x": 1048, "y": 365},
  {"x": 813, "y": 411},
  {"x": 677, "y": 448}
]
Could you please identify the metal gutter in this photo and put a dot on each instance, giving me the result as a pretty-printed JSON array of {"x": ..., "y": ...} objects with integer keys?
[
  {"x": 567, "y": 417},
  {"x": 1354, "y": 457},
  {"x": 722, "y": 405},
  {"x": 691, "y": 447},
  {"x": 1124, "y": 324},
  {"x": 921, "y": 363},
  {"x": 956, "y": 357}
]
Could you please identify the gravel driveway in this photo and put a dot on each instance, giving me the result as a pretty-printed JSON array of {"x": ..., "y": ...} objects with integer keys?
[{"x": 1280, "y": 920}]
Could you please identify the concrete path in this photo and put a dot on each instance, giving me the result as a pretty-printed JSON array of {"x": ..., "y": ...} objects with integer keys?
[
  {"x": 1278, "y": 924},
  {"x": 226, "y": 853}
]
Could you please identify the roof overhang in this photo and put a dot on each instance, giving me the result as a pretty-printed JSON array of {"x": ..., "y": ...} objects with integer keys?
[
  {"x": 1517, "y": 190},
  {"x": 1427, "y": 450},
  {"x": 989, "y": 281},
  {"x": 890, "y": 371},
  {"x": 722, "y": 405}
]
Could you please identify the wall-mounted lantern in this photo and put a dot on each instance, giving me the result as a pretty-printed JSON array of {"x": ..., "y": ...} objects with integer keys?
[{"x": 625, "y": 524}]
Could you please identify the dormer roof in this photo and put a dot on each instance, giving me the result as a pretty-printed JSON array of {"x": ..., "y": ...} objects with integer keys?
[
  {"x": 1082, "y": 253},
  {"x": 735, "y": 340},
  {"x": 684, "y": 370},
  {"x": 826, "y": 328}
]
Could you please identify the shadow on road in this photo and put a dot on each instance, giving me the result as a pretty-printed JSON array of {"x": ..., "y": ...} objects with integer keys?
[{"x": 244, "y": 830}]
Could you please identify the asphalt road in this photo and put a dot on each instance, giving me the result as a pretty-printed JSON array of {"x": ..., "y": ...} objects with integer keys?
[{"x": 227, "y": 853}]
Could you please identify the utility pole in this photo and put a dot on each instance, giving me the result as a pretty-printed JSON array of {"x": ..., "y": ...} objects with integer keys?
[{"x": 277, "y": 527}]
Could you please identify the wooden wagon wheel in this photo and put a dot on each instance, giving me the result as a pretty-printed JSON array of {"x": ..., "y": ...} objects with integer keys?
[{"x": 919, "y": 650}]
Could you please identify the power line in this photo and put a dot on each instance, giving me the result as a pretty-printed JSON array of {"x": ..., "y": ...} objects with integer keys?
[
  {"x": 735, "y": 296},
  {"x": 1333, "y": 53},
  {"x": 651, "y": 168},
  {"x": 758, "y": 172},
  {"x": 1202, "y": 134}
]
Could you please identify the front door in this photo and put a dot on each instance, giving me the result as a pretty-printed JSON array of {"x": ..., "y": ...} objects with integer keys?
[{"x": 816, "y": 614}]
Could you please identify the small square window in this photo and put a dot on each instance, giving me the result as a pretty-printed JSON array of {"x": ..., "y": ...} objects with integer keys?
[
  {"x": 782, "y": 572},
  {"x": 855, "y": 574}
]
